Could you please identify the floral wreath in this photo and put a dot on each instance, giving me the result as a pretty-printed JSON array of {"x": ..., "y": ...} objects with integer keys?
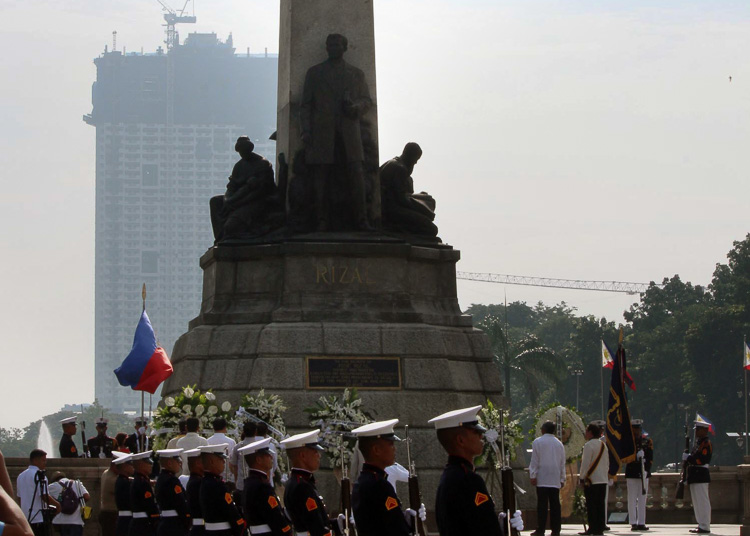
[
  {"x": 573, "y": 429},
  {"x": 190, "y": 402}
]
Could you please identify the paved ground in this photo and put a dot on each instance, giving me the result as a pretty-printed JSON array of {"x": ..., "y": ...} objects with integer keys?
[{"x": 624, "y": 530}]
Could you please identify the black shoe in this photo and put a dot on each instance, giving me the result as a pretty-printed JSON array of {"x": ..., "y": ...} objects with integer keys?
[
  {"x": 607, "y": 528},
  {"x": 586, "y": 533},
  {"x": 642, "y": 527},
  {"x": 537, "y": 533},
  {"x": 700, "y": 531},
  {"x": 634, "y": 528}
]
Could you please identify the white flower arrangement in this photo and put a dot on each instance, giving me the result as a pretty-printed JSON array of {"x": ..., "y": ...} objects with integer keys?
[
  {"x": 573, "y": 430},
  {"x": 269, "y": 409},
  {"x": 335, "y": 415},
  {"x": 189, "y": 402},
  {"x": 512, "y": 436},
  {"x": 226, "y": 406}
]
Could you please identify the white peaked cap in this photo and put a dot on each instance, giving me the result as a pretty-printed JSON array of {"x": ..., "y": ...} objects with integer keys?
[
  {"x": 142, "y": 455},
  {"x": 219, "y": 450},
  {"x": 121, "y": 457},
  {"x": 636, "y": 422},
  {"x": 306, "y": 439},
  {"x": 383, "y": 429},
  {"x": 192, "y": 453},
  {"x": 169, "y": 453},
  {"x": 252, "y": 448},
  {"x": 466, "y": 417},
  {"x": 68, "y": 420}
]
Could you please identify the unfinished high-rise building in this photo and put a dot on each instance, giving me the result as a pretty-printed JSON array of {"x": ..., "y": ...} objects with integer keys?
[{"x": 166, "y": 123}]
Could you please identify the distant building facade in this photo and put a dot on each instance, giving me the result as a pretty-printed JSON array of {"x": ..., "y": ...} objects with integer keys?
[{"x": 166, "y": 124}]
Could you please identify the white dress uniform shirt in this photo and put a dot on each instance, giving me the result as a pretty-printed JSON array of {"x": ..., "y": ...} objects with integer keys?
[
  {"x": 55, "y": 490},
  {"x": 26, "y": 491},
  {"x": 547, "y": 462},
  {"x": 191, "y": 441},
  {"x": 590, "y": 452}
]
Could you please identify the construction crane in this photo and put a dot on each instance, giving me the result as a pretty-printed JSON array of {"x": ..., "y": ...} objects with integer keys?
[
  {"x": 574, "y": 284},
  {"x": 173, "y": 17}
]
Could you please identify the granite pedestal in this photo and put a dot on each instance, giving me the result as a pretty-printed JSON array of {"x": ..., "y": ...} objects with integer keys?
[{"x": 267, "y": 308}]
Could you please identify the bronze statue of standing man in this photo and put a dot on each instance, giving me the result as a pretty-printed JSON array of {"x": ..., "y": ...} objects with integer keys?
[{"x": 334, "y": 99}]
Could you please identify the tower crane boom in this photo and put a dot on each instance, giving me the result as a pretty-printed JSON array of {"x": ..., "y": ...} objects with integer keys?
[{"x": 574, "y": 284}]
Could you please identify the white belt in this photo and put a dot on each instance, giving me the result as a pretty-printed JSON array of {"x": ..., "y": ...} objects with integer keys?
[
  {"x": 306, "y": 533},
  {"x": 169, "y": 513},
  {"x": 139, "y": 515},
  {"x": 198, "y": 521},
  {"x": 125, "y": 513},
  {"x": 259, "y": 529},
  {"x": 218, "y": 526}
]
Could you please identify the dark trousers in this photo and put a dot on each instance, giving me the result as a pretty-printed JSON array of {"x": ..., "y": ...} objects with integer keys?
[
  {"x": 551, "y": 497},
  {"x": 108, "y": 522},
  {"x": 595, "y": 496},
  {"x": 39, "y": 530}
]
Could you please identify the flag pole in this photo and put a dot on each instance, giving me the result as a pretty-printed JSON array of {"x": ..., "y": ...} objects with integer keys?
[
  {"x": 601, "y": 384},
  {"x": 744, "y": 359},
  {"x": 143, "y": 394}
]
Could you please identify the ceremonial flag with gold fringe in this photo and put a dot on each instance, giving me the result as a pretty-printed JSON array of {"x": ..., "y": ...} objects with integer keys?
[{"x": 620, "y": 439}]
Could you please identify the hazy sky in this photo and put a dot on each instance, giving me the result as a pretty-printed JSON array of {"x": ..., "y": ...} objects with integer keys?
[{"x": 574, "y": 139}]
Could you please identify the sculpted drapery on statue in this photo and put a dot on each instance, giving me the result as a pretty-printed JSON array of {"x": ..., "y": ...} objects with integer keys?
[{"x": 334, "y": 99}]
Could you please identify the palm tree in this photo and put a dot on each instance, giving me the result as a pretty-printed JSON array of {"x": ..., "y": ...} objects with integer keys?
[{"x": 527, "y": 359}]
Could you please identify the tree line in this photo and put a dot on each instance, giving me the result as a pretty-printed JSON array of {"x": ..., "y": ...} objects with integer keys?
[{"x": 684, "y": 347}]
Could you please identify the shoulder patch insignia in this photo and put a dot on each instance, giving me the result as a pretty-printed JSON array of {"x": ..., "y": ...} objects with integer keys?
[
  {"x": 310, "y": 504},
  {"x": 228, "y": 498},
  {"x": 148, "y": 495},
  {"x": 72, "y": 449},
  {"x": 390, "y": 503},
  {"x": 178, "y": 489},
  {"x": 286, "y": 529},
  {"x": 480, "y": 499},
  {"x": 272, "y": 502}
]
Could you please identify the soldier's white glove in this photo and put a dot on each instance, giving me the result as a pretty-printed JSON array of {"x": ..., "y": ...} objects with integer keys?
[
  {"x": 411, "y": 515},
  {"x": 639, "y": 455},
  {"x": 341, "y": 521},
  {"x": 610, "y": 482},
  {"x": 685, "y": 456},
  {"x": 284, "y": 478},
  {"x": 516, "y": 522},
  {"x": 490, "y": 436}
]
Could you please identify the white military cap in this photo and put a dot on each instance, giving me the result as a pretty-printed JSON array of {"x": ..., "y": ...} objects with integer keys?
[
  {"x": 464, "y": 418},
  {"x": 145, "y": 456},
  {"x": 258, "y": 446},
  {"x": 101, "y": 420},
  {"x": 306, "y": 439},
  {"x": 701, "y": 424},
  {"x": 192, "y": 453},
  {"x": 381, "y": 429},
  {"x": 169, "y": 453},
  {"x": 219, "y": 450},
  {"x": 69, "y": 420},
  {"x": 599, "y": 423},
  {"x": 121, "y": 457},
  {"x": 636, "y": 422}
]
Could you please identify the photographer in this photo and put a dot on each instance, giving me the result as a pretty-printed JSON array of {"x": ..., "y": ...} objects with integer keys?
[
  {"x": 31, "y": 486},
  {"x": 69, "y": 520}
]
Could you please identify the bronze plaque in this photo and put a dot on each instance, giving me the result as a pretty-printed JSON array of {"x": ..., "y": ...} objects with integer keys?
[{"x": 360, "y": 372}]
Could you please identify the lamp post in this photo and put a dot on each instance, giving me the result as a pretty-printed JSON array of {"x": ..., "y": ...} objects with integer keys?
[{"x": 576, "y": 371}]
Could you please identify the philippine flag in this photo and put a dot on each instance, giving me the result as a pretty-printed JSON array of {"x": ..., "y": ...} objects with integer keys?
[
  {"x": 608, "y": 362},
  {"x": 701, "y": 419},
  {"x": 147, "y": 364}
]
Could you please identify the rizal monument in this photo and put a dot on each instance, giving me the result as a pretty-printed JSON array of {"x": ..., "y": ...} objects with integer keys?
[{"x": 329, "y": 273}]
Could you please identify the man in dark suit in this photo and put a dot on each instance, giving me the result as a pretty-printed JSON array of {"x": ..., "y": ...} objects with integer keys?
[{"x": 334, "y": 99}]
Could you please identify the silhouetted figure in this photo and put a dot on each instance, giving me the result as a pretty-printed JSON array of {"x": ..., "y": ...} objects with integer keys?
[
  {"x": 250, "y": 206},
  {"x": 334, "y": 99},
  {"x": 403, "y": 210}
]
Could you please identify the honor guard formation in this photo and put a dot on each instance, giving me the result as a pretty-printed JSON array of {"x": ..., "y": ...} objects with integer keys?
[
  {"x": 187, "y": 491},
  {"x": 201, "y": 503}
]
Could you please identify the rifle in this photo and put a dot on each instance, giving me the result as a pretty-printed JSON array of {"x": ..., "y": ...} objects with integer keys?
[
  {"x": 346, "y": 495},
  {"x": 683, "y": 477},
  {"x": 506, "y": 477},
  {"x": 84, "y": 444},
  {"x": 415, "y": 499}
]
